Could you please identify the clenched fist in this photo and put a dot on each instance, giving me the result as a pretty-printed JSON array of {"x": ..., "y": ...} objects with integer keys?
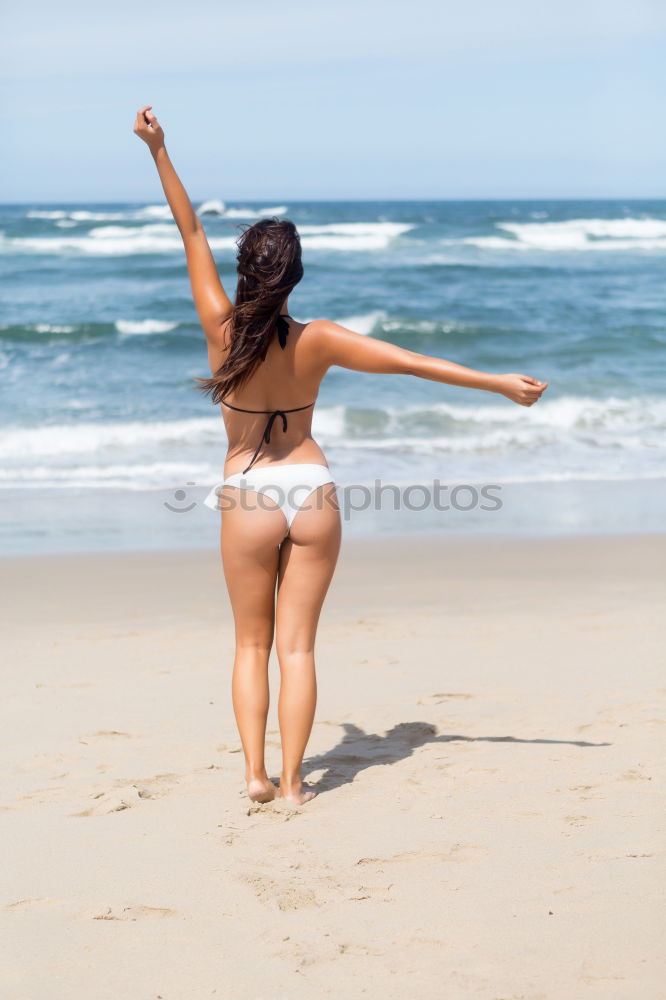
[
  {"x": 148, "y": 128},
  {"x": 521, "y": 389}
]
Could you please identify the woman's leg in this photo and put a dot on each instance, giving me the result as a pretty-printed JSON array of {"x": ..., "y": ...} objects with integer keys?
[
  {"x": 252, "y": 529},
  {"x": 307, "y": 562}
]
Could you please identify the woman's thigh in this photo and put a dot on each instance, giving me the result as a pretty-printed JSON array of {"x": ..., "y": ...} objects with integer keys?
[
  {"x": 252, "y": 529},
  {"x": 307, "y": 562}
]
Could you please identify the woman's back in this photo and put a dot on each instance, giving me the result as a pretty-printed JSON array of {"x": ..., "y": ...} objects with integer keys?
[{"x": 285, "y": 384}]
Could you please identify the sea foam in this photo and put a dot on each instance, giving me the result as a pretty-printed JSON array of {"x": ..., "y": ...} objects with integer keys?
[
  {"x": 255, "y": 213},
  {"x": 634, "y": 419},
  {"x": 156, "y": 237},
  {"x": 364, "y": 323},
  {"x": 575, "y": 234},
  {"x": 143, "y": 326},
  {"x": 212, "y": 207}
]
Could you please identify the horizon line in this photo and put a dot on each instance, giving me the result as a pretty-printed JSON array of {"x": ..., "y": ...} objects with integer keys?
[{"x": 324, "y": 201}]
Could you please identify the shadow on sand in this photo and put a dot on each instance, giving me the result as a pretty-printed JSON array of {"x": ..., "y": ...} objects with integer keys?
[{"x": 358, "y": 750}]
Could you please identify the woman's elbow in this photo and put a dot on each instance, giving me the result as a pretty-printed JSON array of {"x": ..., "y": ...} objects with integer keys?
[{"x": 412, "y": 364}]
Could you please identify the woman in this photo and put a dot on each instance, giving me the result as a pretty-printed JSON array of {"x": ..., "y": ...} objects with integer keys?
[{"x": 280, "y": 519}]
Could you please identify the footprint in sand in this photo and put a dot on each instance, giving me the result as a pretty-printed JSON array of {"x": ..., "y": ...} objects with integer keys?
[
  {"x": 302, "y": 953},
  {"x": 576, "y": 820},
  {"x": 283, "y": 895},
  {"x": 43, "y": 795},
  {"x": 440, "y": 698},
  {"x": 127, "y": 794},
  {"x": 22, "y": 905},
  {"x": 135, "y": 912},
  {"x": 457, "y": 852},
  {"x": 586, "y": 792},
  {"x": 230, "y": 834},
  {"x": 380, "y": 893},
  {"x": 633, "y": 774},
  {"x": 105, "y": 734},
  {"x": 358, "y": 949},
  {"x": 275, "y": 811}
]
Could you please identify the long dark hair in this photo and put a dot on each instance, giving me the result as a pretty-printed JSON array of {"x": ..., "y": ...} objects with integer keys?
[{"x": 269, "y": 266}]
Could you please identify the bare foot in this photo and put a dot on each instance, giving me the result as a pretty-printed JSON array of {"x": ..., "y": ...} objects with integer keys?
[
  {"x": 297, "y": 794},
  {"x": 261, "y": 789}
]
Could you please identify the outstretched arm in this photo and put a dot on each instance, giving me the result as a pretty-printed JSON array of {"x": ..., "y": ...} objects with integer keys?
[
  {"x": 339, "y": 346},
  {"x": 210, "y": 299}
]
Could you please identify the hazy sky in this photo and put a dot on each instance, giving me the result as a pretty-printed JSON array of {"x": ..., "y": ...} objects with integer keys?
[{"x": 344, "y": 99}]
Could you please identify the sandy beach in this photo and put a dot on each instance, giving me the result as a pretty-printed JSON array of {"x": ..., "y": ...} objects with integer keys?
[{"x": 488, "y": 752}]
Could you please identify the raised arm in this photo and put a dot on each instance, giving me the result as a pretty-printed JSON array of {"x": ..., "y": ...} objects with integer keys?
[
  {"x": 338, "y": 346},
  {"x": 210, "y": 299}
]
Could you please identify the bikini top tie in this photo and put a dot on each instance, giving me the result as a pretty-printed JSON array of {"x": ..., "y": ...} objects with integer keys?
[{"x": 283, "y": 330}]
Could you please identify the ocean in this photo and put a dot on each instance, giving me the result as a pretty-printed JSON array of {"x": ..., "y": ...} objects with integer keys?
[{"x": 106, "y": 443}]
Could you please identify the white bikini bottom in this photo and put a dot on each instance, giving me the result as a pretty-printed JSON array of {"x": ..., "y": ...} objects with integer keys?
[{"x": 289, "y": 486}]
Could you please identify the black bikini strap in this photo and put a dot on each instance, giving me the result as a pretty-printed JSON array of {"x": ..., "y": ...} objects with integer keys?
[
  {"x": 283, "y": 329},
  {"x": 266, "y": 435},
  {"x": 240, "y": 409}
]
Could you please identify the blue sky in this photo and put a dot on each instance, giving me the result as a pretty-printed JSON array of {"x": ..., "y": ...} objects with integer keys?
[{"x": 420, "y": 99}]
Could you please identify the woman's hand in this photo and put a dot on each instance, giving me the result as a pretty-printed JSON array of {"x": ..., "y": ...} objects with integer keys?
[
  {"x": 522, "y": 389},
  {"x": 148, "y": 128}
]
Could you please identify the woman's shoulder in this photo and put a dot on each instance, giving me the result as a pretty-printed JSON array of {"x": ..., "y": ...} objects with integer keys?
[
  {"x": 317, "y": 330},
  {"x": 323, "y": 333}
]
